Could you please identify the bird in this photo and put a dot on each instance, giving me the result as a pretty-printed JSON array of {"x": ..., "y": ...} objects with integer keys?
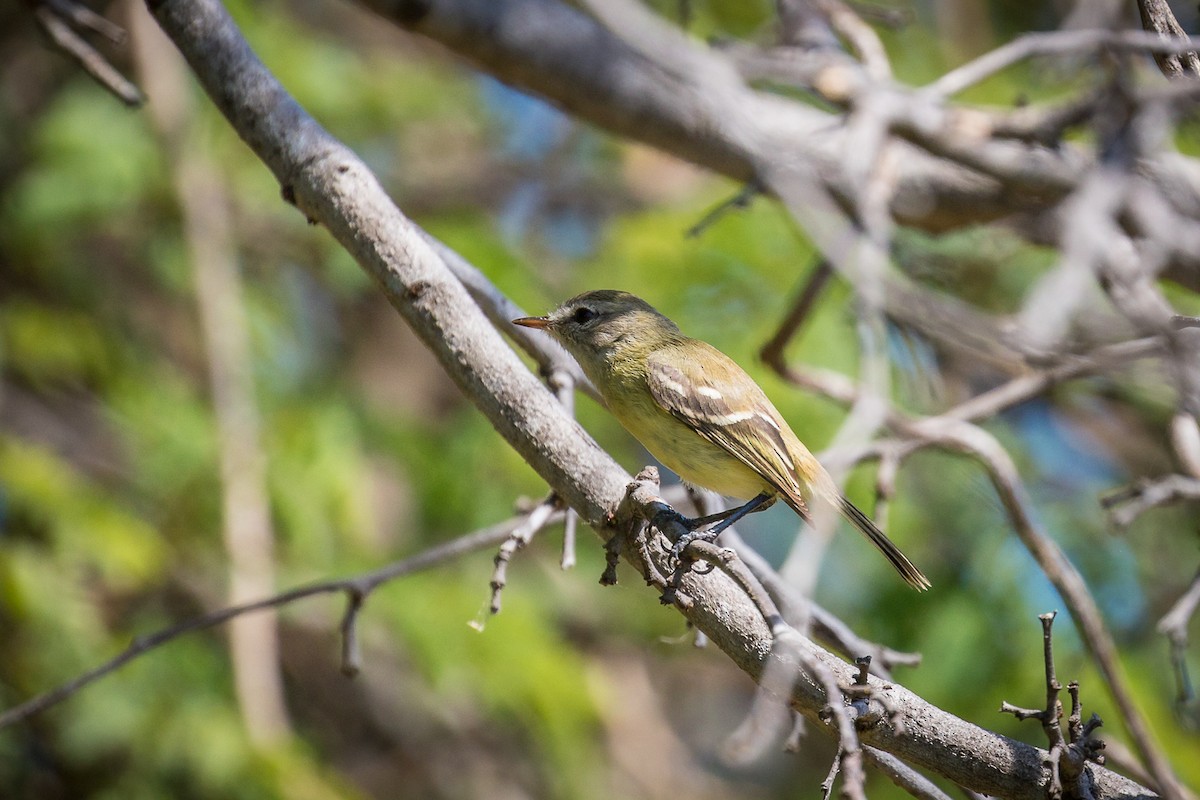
[{"x": 700, "y": 414}]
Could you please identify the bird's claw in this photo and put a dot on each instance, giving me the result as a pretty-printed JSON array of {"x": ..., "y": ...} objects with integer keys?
[{"x": 683, "y": 541}]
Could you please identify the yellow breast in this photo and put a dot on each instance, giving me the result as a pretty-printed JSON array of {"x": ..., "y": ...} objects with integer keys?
[{"x": 685, "y": 452}]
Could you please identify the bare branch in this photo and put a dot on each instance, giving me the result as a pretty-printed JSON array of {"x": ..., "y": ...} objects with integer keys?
[
  {"x": 60, "y": 19},
  {"x": 356, "y": 588},
  {"x": 1031, "y": 45},
  {"x": 1126, "y": 505},
  {"x": 1174, "y": 625},
  {"x": 521, "y": 535},
  {"x": 772, "y": 352},
  {"x": 903, "y": 775}
]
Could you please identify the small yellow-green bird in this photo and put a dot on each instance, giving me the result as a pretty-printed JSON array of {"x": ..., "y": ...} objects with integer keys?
[{"x": 699, "y": 413}]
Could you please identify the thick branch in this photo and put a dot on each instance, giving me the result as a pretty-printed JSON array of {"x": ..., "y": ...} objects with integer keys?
[
  {"x": 356, "y": 587},
  {"x": 553, "y": 50},
  {"x": 559, "y": 53}
]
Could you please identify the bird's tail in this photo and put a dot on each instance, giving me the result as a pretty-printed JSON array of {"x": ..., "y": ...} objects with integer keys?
[{"x": 906, "y": 568}]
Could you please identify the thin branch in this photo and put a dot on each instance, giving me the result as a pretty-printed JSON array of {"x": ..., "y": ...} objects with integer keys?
[
  {"x": 1174, "y": 625},
  {"x": 903, "y": 775},
  {"x": 812, "y": 289},
  {"x": 803, "y": 26},
  {"x": 60, "y": 18},
  {"x": 1185, "y": 441},
  {"x": 1126, "y": 505},
  {"x": 862, "y": 38},
  {"x": 562, "y": 383},
  {"x": 736, "y": 202},
  {"x": 1031, "y": 45},
  {"x": 356, "y": 589},
  {"x": 523, "y": 534},
  {"x": 834, "y": 768},
  {"x": 1032, "y": 384}
]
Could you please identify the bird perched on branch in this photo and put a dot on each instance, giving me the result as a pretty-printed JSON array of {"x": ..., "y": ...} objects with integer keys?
[{"x": 700, "y": 414}]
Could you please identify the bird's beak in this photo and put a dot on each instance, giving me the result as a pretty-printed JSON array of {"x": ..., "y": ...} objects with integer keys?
[{"x": 532, "y": 322}]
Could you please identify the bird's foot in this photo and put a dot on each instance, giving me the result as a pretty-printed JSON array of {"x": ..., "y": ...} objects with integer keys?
[
  {"x": 695, "y": 528},
  {"x": 669, "y": 518}
]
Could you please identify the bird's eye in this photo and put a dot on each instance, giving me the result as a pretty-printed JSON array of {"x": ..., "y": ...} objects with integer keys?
[{"x": 583, "y": 315}]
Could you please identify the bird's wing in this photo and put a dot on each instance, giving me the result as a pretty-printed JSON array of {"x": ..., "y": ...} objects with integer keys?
[{"x": 725, "y": 406}]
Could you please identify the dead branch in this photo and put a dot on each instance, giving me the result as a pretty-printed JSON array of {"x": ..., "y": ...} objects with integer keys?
[{"x": 356, "y": 589}]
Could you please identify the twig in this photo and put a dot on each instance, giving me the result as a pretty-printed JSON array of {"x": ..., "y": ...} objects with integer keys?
[
  {"x": 1051, "y": 712},
  {"x": 894, "y": 18},
  {"x": 814, "y": 286},
  {"x": 59, "y": 17},
  {"x": 357, "y": 588},
  {"x": 803, "y": 26},
  {"x": 562, "y": 383},
  {"x": 1185, "y": 441},
  {"x": 727, "y": 560},
  {"x": 84, "y": 18},
  {"x": 535, "y": 520},
  {"x": 890, "y": 459},
  {"x": 1031, "y": 384},
  {"x": 351, "y": 652},
  {"x": 1174, "y": 625},
  {"x": 1030, "y": 45},
  {"x": 903, "y": 775},
  {"x": 737, "y": 202},
  {"x": 863, "y": 40},
  {"x": 1046, "y": 124},
  {"x": 849, "y": 749},
  {"x": 834, "y": 768},
  {"x": 1126, "y": 505}
]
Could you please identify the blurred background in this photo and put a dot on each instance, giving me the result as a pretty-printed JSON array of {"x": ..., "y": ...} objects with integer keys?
[{"x": 181, "y": 355}]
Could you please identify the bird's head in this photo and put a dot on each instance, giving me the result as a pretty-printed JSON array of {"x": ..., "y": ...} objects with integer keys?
[{"x": 602, "y": 321}]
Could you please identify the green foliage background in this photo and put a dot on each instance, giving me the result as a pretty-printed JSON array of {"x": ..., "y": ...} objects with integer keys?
[{"x": 110, "y": 495}]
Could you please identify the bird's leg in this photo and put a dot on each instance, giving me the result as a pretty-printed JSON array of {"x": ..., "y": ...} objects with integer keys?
[
  {"x": 696, "y": 523},
  {"x": 723, "y": 519}
]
